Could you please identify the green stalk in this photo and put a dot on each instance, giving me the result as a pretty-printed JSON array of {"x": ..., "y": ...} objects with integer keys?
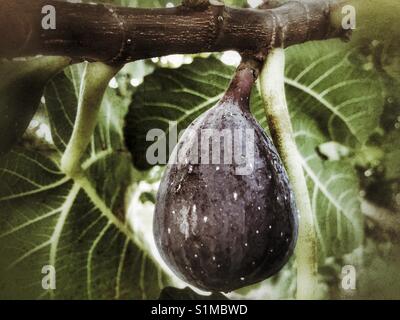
[
  {"x": 272, "y": 84},
  {"x": 95, "y": 80}
]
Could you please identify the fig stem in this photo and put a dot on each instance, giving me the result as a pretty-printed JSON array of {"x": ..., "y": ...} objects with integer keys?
[
  {"x": 95, "y": 79},
  {"x": 242, "y": 83},
  {"x": 272, "y": 83}
]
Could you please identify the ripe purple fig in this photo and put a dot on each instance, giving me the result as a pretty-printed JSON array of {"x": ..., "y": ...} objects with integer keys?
[{"x": 221, "y": 222}]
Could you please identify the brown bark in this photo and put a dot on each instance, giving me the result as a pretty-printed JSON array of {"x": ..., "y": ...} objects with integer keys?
[{"x": 119, "y": 34}]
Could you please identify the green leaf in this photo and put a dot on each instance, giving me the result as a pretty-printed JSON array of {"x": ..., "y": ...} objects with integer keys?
[
  {"x": 390, "y": 141},
  {"x": 77, "y": 226},
  {"x": 391, "y": 159},
  {"x": 148, "y": 197},
  {"x": 236, "y": 3},
  {"x": 61, "y": 101},
  {"x": 331, "y": 98},
  {"x": 376, "y": 20},
  {"x": 327, "y": 81},
  {"x": 377, "y": 264},
  {"x": 167, "y": 95},
  {"x": 21, "y": 88},
  {"x": 334, "y": 192}
]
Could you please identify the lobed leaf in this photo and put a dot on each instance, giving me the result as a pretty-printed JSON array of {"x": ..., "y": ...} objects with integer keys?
[{"x": 76, "y": 226}]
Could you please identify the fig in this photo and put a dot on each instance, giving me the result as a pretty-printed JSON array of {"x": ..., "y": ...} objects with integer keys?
[{"x": 217, "y": 226}]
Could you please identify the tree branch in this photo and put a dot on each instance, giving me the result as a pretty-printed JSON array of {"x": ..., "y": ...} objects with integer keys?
[{"x": 119, "y": 34}]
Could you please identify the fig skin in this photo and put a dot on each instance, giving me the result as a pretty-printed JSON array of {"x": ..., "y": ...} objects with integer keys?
[{"x": 217, "y": 230}]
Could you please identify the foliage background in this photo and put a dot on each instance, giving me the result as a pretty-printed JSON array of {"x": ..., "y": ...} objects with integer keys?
[{"x": 345, "y": 108}]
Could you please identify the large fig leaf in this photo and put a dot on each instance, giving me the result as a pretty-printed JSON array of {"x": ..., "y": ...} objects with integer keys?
[
  {"x": 173, "y": 95},
  {"x": 76, "y": 226},
  {"x": 331, "y": 98},
  {"x": 333, "y": 86},
  {"x": 391, "y": 160},
  {"x": 21, "y": 87}
]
